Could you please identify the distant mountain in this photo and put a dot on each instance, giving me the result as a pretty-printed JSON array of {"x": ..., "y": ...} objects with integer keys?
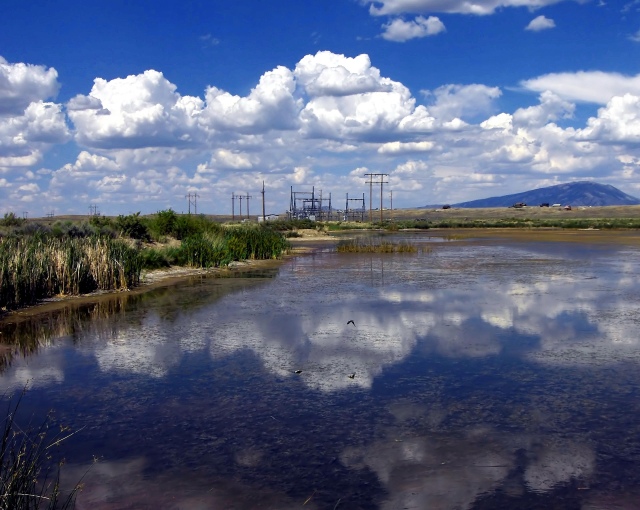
[{"x": 583, "y": 193}]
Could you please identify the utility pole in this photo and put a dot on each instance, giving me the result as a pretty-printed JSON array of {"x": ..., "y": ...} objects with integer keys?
[
  {"x": 248, "y": 197},
  {"x": 233, "y": 205},
  {"x": 25, "y": 214},
  {"x": 240, "y": 197},
  {"x": 192, "y": 198},
  {"x": 93, "y": 210},
  {"x": 371, "y": 183},
  {"x": 264, "y": 218}
]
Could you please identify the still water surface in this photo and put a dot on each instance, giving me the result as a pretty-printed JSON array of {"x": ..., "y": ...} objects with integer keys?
[{"x": 488, "y": 374}]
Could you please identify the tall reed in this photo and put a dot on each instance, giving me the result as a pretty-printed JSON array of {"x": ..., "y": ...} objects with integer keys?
[
  {"x": 28, "y": 478},
  {"x": 254, "y": 242},
  {"x": 37, "y": 267}
]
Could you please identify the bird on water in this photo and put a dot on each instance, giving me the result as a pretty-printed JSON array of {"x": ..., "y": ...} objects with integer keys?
[{"x": 351, "y": 376}]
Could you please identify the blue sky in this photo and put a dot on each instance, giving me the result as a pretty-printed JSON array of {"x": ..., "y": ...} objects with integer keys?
[{"x": 131, "y": 106}]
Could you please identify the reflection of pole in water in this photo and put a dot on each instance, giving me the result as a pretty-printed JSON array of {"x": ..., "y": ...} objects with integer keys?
[
  {"x": 373, "y": 280},
  {"x": 371, "y": 269}
]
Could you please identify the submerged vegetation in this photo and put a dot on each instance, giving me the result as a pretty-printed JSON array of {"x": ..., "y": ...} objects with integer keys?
[
  {"x": 38, "y": 260},
  {"x": 360, "y": 246},
  {"x": 29, "y": 479}
]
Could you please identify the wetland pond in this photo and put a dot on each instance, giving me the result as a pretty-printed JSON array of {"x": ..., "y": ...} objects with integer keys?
[{"x": 489, "y": 373}]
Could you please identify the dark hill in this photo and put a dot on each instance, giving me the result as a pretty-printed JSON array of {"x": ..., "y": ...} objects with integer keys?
[{"x": 583, "y": 193}]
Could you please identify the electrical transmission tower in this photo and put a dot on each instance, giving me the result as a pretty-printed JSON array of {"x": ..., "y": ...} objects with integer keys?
[{"x": 93, "y": 210}]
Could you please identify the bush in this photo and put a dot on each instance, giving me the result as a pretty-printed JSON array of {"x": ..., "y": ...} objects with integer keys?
[
  {"x": 164, "y": 223},
  {"x": 133, "y": 226},
  {"x": 100, "y": 222},
  {"x": 155, "y": 259},
  {"x": 11, "y": 220}
]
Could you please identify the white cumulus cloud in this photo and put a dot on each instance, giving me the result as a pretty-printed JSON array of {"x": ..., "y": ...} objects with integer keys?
[
  {"x": 270, "y": 105},
  {"x": 404, "y": 148},
  {"x": 399, "y": 30},
  {"x": 24, "y": 137},
  {"x": 462, "y": 101},
  {"x": 477, "y": 7},
  {"x": 540, "y": 23},
  {"x": 331, "y": 74},
  {"x": 21, "y": 84},
  {"x": 618, "y": 121},
  {"x": 588, "y": 86},
  {"x": 137, "y": 111}
]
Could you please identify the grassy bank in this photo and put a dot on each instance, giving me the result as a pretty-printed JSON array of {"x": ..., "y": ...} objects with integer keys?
[
  {"x": 440, "y": 221},
  {"x": 514, "y": 222},
  {"x": 38, "y": 260}
]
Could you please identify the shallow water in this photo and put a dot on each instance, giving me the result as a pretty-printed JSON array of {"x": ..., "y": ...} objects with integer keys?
[{"x": 488, "y": 374}]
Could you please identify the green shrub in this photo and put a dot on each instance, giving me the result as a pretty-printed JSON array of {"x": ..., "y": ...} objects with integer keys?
[
  {"x": 163, "y": 224},
  {"x": 11, "y": 220},
  {"x": 133, "y": 226},
  {"x": 152, "y": 258}
]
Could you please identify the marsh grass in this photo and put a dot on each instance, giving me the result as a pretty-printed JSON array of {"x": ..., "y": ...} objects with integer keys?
[
  {"x": 43, "y": 264},
  {"x": 359, "y": 246},
  {"x": 37, "y": 267},
  {"x": 217, "y": 248},
  {"x": 29, "y": 477}
]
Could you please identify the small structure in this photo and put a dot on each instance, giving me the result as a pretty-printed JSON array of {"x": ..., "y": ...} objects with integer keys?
[
  {"x": 519, "y": 205},
  {"x": 567, "y": 207},
  {"x": 354, "y": 213},
  {"x": 544, "y": 204},
  {"x": 268, "y": 217},
  {"x": 446, "y": 206},
  {"x": 309, "y": 205}
]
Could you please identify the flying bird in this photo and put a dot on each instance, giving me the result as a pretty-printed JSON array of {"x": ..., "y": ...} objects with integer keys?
[
  {"x": 351, "y": 322},
  {"x": 298, "y": 372}
]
